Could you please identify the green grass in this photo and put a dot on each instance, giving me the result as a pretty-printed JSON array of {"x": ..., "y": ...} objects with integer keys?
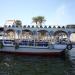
[{"x": 27, "y": 65}]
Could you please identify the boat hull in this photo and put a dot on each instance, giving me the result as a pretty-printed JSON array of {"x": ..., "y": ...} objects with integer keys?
[{"x": 32, "y": 51}]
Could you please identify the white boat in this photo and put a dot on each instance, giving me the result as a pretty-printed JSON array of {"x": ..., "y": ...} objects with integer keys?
[
  {"x": 39, "y": 39},
  {"x": 23, "y": 48}
]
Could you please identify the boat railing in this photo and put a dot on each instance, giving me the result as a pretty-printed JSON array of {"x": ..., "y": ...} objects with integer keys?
[
  {"x": 8, "y": 42},
  {"x": 32, "y": 43}
]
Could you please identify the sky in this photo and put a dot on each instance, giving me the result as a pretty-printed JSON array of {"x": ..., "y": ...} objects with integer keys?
[{"x": 56, "y": 12}]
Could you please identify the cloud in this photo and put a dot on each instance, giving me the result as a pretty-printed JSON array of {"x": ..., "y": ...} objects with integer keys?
[
  {"x": 60, "y": 11},
  {"x": 60, "y": 15}
]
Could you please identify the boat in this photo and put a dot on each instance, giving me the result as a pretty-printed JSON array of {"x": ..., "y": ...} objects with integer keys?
[
  {"x": 34, "y": 40},
  {"x": 23, "y": 48}
]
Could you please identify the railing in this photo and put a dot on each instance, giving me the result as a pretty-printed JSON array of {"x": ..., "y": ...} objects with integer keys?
[{"x": 32, "y": 43}]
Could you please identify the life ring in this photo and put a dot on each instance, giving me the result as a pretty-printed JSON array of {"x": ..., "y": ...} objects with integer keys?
[{"x": 69, "y": 46}]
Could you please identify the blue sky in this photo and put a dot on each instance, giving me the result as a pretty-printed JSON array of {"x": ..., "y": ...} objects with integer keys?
[{"x": 60, "y": 12}]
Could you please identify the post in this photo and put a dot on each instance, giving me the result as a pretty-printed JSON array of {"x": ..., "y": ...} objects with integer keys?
[{"x": 34, "y": 37}]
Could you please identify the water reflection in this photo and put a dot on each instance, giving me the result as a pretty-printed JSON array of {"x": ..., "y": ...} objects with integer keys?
[{"x": 30, "y": 65}]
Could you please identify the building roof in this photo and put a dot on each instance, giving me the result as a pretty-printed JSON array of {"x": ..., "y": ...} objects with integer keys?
[{"x": 10, "y": 22}]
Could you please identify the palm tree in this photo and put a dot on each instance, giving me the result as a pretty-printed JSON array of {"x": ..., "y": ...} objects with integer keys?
[
  {"x": 38, "y": 19},
  {"x": 18, "y": 23},
  {"x": 41, "y": 19},
  {"x": 35, "y": 20}
]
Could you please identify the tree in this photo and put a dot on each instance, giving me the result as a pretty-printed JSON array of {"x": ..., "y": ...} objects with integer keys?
[
  {"x": 38, "y": 20},
  {"x": 18, "y": 23},
  {"x": 41, "y": 19},
  {"x": 35, "y": 20}
]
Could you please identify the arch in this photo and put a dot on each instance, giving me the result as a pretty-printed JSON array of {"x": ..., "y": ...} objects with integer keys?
[
  {"x": 60, "y": 31},
  {"x": 10, "y": 30},
  {"x": 60, "y": 35},
  {"x": 51, "y": 33},
  {"x": 43, "y": 35},
  {"x": 27, "y": 34},
  {"x": 43, "y": 32},
  {"x": 72, "y": 37},
  {"x": 26, "y": 30},
  {"x": 10, "y": 34}
]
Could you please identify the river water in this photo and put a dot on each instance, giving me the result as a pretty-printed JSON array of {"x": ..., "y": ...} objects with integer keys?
[{"x": 33, "y": 65}]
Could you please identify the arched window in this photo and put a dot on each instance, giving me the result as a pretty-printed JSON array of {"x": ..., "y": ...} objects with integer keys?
[
  {"x": 27, "y": 34},
  {"x": 10, "y": 34}
]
